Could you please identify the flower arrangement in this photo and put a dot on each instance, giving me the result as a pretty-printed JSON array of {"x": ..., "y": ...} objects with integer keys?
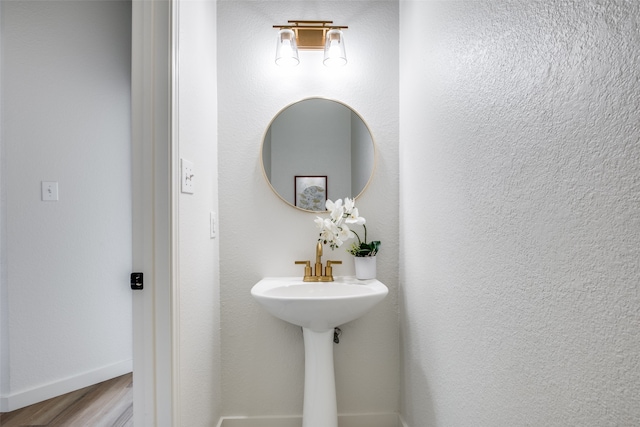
[{"x": 335, "y": 230}]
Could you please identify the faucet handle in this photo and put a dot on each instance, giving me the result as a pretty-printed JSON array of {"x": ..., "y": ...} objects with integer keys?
[
  {"x": 328, "y": 271},
  {"x": 307, "y": 267}
]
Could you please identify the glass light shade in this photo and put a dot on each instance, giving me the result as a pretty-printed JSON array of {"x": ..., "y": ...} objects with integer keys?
[
  {"x": 334, "y": 52},
  {"x": 287, "y": 48}
]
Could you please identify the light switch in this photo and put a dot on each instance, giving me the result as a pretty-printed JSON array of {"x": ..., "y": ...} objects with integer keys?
[
  {"x": 187, "y": 176},
  {"x": 213, "y": 224},
  {"x": 49, "y": 191}
]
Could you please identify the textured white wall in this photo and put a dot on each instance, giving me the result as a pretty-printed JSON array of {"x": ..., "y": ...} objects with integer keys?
[
  {"x": 260, "y": 235},
  {"x": 65, "y": 117},
  {"x": 520, "y": 197},
  {"x": 199, "y": 288}
]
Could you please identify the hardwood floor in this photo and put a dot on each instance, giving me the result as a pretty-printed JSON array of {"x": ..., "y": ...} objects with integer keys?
[{"x": 107, "y": 404}]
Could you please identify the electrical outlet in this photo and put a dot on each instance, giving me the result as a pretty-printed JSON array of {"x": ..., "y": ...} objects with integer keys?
[{"x": 187, "y": 176}]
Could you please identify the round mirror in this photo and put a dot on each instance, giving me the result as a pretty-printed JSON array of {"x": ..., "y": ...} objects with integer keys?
[{"x": 317, "y": 149}]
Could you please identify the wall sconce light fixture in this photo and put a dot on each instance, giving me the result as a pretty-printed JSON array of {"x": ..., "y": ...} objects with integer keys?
[
  {"x": 310, "y": 35},
  {"x": 287, "y": 48}
]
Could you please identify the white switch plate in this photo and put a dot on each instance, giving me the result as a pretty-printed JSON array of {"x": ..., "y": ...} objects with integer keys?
[
  {"x": 187, "y": 176},
  {"x": 49, "y": 191}
]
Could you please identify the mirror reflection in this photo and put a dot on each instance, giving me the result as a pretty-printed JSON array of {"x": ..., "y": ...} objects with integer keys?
[{"x": 317, "y": 149}]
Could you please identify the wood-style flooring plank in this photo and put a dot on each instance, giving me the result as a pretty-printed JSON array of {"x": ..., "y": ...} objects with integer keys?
[{"x": 107, "y": 404}]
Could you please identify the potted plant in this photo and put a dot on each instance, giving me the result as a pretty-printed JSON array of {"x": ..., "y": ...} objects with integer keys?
[
  {"x": 335, "y": 230},
  {"x": 365, "y": 256},
  {"x": 362, "y": 248}
]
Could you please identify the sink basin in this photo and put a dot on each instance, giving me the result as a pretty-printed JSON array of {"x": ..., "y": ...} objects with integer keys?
[{"x": 318, "y": 306}]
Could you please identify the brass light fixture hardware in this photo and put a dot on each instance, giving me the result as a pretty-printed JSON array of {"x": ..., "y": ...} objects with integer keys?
[{"x": 310, "y": 35}]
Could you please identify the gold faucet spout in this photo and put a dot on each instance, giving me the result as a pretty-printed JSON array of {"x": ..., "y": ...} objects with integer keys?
[
  {"x": 318, "y": 252},
  {"x": 318, "y": 275},
  {"x": 318, "y": 269}
]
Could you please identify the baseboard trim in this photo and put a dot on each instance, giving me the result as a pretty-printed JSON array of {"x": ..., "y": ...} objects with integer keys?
[
  {"x": 66, "y": 385},
  {"x": 345, "y": 420}
]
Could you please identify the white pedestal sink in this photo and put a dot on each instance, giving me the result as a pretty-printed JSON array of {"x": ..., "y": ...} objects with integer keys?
[{"x": 318, "y": 307}]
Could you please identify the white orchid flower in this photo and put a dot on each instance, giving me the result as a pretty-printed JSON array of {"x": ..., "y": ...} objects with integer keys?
[
  {"x": 349, "y": 204},
  {"x": 334, "y": 230},
  {"x": 336, "y": 210},
  {"x": 330, "y": 205},
  {"x": 330, "y": 225},
  {"x": 337, "y": 214},
  {"x": 344, "y": 233},
  {"x": 355, "y": 218},
  {"x": 332, "y": 234},
  {"x": 325, "y": 226}
]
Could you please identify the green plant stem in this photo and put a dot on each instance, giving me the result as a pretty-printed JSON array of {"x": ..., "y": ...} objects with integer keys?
[{"x": 365, "y": 235}]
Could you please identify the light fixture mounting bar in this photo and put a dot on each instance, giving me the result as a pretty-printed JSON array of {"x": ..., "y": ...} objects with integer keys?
[{"x": 310, "y": 35}]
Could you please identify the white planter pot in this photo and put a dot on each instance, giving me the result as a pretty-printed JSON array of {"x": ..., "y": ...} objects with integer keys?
[{"x": 365, "y": 267}]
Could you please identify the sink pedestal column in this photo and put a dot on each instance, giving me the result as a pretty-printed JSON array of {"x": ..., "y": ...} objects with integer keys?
[{"x": 320, "y": 408}]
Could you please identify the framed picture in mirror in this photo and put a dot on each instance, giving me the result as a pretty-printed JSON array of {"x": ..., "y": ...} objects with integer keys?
[{"x": 311, "y": 192}]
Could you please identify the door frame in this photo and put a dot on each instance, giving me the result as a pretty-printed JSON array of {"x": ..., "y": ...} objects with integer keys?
[{"x": 155, "y": 249}]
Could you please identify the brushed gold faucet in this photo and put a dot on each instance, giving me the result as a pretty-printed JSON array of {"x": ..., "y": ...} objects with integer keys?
[{"x": 317, "y": 275}]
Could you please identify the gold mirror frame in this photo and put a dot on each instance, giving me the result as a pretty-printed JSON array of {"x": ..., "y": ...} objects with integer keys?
[{"x": 331, "y": 196}]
